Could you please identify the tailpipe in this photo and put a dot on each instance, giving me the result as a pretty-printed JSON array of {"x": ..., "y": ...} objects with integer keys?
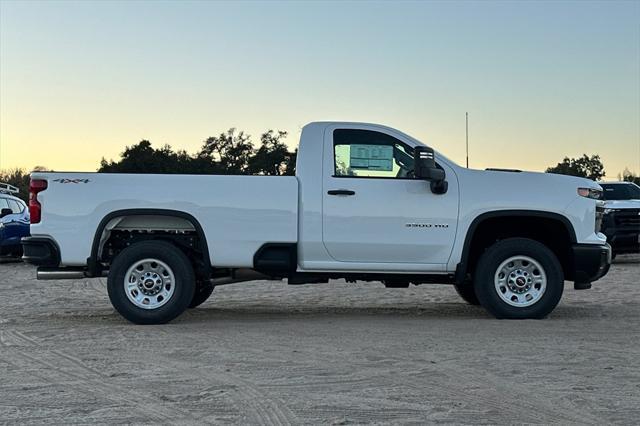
[{"x": 59, "y": 274}]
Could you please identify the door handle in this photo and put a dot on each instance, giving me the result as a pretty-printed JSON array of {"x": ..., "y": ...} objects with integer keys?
[{"x": 341, "y": 192}]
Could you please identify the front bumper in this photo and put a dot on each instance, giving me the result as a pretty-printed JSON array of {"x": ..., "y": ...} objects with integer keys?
[
  {"x": 591, "y": 262},
  {"x": 622, "y": 228},
  {"x": 40, "y": 251}
]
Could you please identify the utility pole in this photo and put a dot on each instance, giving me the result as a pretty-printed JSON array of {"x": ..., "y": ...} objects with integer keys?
[{"x": 467, "y": 133}]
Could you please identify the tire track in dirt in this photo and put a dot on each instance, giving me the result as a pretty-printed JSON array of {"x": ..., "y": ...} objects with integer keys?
[
  {"x": 261, "y": 409},
  {"x": 490, "y": 391},
  {"x": 459, "y": 384},
  {"x": 264, "y": 409},
  {"x": 63, "y": 367}
]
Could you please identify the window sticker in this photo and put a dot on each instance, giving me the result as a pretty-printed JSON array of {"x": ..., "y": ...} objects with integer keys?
[{"x": 371, "y": 157}]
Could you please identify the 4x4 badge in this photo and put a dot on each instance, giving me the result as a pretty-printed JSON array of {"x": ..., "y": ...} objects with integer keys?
[{"x": 71, "y": 180}]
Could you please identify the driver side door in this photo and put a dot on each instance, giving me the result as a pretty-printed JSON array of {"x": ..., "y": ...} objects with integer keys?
[{"x": 374, "y": 211}]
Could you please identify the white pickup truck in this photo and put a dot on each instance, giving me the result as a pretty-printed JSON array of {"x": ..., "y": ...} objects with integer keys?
[{"x": 367, "y": 203}]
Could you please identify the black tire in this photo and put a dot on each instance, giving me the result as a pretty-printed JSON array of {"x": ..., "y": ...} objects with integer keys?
[
  {"x": 184, "y": 285},
  {"x": 467, "y": 292},
  {"x": 487, "y": 268},
  {"x": 202, "y": 293}
]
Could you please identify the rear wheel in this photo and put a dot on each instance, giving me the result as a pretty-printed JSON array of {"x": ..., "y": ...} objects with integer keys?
[
  {"x": 151, "y": 282},
  {"x": 467, "y": 292},
  {"x": 202, "y": 293},
  {"x": 519, "y": 278}
]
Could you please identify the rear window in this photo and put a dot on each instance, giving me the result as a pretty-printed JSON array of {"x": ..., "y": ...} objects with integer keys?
[{"x": 3, "y": 203}]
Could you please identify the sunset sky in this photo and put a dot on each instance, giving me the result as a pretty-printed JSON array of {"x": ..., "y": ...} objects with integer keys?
[{"x": 540, "y": 80}]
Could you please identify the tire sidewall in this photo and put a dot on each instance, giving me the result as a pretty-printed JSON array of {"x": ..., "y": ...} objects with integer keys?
[
  {"x": 184, "y": 282},
  {"x": 501, "y": 251},
  {"x": 202, "y": 294},
  {"x": 467, "y": 292}
]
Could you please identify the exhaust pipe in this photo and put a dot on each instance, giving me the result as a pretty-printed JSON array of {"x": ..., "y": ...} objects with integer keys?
[{"x": 59, "y": 274}]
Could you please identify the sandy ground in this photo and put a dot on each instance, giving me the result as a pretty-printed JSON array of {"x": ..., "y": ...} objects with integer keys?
[{"x": 268, "y": 353}]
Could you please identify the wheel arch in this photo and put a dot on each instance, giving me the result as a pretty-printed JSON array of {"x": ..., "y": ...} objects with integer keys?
[
  {"x": 466, "y": 264},
  {"x": 93, "y": 262}
]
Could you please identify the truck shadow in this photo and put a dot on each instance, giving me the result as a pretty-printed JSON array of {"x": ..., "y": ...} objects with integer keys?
[
  {"x": 438, "y": 311},
  {"x": 279, "y": 312}
]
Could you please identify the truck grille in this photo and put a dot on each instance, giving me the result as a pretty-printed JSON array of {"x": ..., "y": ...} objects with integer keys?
[
  {"x": 599, "y": 216},
  {"x": 628, "y": 218}
]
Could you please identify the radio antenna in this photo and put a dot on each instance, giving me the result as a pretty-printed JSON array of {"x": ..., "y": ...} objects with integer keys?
[{"x": 466, "y": 114}]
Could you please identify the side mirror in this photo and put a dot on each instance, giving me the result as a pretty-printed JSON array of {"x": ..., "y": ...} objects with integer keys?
[
  {"x": 424, "y": 167},
  {"x": 5, "y": 212}
]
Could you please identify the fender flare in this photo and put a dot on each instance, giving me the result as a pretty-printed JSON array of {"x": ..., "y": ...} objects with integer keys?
[{"x": 461, "y": 268}]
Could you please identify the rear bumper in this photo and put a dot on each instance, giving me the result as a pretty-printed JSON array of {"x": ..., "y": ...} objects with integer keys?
[
  {"x": 591, "y": 262},
  {"x": 40, "y": 251}
]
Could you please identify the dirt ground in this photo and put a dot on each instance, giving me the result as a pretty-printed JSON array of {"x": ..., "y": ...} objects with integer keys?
[{"x": 337, "y": 353}]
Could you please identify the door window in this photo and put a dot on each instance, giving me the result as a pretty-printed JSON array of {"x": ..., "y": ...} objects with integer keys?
[{"x": 370, "y": 154}]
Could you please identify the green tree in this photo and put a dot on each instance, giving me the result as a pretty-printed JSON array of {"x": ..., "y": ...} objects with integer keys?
[
  {"x": 273, "y": 156},
  {"x": 229, "y": 153},
  {"x": 143, "y": 158},
  {"x": 20, "y": 179},
  {"x": 585, "y": 166},
  {"x": 230, "y": 150},
  {"x": 628, "y": 176}
]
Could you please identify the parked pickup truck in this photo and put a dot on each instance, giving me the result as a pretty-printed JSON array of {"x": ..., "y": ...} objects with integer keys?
[{"x": 367, "y": 203}]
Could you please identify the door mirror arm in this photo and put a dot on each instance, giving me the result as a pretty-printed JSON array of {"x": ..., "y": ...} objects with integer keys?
[{"x": 425, "y": 168}]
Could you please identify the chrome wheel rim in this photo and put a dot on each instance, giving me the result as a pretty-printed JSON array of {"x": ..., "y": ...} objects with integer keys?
[
  {"x": 149, "y": 283},
  {"x": 520, "y": 281}
]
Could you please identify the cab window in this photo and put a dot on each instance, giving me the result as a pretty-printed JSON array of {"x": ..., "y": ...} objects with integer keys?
[{"x": 370, "y": 154}]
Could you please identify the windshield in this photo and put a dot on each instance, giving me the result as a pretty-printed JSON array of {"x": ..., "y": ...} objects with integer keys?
[{"x": 619, "y": 191}]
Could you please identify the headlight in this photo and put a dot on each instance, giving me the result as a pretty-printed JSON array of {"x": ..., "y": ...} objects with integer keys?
[
  {"x": 596, "y": 194},
  {"x": 607, "y": 211}
]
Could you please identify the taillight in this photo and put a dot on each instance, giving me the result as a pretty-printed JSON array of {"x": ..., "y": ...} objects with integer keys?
[{"x": 35, "y": 209}]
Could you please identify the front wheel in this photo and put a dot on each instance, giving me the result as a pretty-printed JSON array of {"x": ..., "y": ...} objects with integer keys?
[
  {"x": 467, "y": 292},
  {"x": 519, "y": 278},
  {"x": 151, "y": 282}
]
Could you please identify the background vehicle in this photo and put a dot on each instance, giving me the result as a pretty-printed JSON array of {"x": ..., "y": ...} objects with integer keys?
[
  {"x": 14, "y": 220},
  {"x": 621, "y": 222},
  {"x": 367, "y": 203}
]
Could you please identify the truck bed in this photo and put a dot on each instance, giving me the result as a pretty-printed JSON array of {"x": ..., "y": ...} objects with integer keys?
[{"x": 238, "y": 214}]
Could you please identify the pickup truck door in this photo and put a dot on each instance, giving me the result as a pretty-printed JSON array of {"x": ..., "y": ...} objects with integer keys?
[{"x": 374, "y": 211}]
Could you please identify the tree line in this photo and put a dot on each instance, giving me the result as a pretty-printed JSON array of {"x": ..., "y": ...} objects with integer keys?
[{"x": 233, "y": 153}]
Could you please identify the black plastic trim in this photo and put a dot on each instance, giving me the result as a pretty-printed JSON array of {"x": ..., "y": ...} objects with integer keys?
[
  {"x": 276, "y": 258},
  {"x": 461, "y": 268},
  {"x": 591, "y": 261},
  {"x": 93, "y": 263},
  {"x": 40, "y": 251}
]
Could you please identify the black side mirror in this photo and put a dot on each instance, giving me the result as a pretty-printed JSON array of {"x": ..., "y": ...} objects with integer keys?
[
  {"x": 5, "y": 212},
  {"x": 425, "y": 168}
]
